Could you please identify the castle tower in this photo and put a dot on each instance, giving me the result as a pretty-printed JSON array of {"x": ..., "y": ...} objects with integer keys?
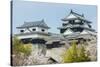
[{"x": 74, "y": 24}]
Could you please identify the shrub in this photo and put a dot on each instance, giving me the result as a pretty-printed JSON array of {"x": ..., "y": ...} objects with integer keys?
[
  {"x": 20, "y": 51},
  {"x": 75, "y": 54}
]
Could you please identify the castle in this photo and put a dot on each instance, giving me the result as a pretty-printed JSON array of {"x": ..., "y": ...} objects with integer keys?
[{"x": 74, "y": 27}]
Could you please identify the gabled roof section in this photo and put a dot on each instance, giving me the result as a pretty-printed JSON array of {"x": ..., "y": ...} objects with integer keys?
[
  {"x": 88, "y": 32},
  {"x": 74, "y": 15},
  {"x": 40, "y": 23},
  {"x": 84, "y": 32},
  {"x": 67, "y": 32}
]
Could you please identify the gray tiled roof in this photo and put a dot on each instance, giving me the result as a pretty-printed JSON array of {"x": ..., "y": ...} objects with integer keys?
[
  {"x": 40, "y": 23},
  {"x": 65, "y": 27},
  {"x": 78, "y": 16}
]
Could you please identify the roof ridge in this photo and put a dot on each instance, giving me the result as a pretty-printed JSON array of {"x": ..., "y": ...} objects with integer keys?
[
  {"x": 32, "y": 21},
  {"x": 77, "y": 14},
  {"x": 39, "y": 23}
]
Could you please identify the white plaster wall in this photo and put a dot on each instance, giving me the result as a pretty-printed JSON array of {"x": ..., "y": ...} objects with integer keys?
[
  {"x": 40, "y": 29},
  {"x": 33, "y": 28},
  {"x": 37, "y": 29},
  {"x": 27, "y": 36},
  {"x": 25, "y": 30},
  {"x": 22, "y": 29},
  {"x": 65, "y": 21},
  {"x": 77, "y": 20},
  {"x": 31, "y": 36}
]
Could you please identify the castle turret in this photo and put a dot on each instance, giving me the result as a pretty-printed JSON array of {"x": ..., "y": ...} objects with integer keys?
[
  {"x": 33, "y": 29},
  {"x": 36, "y": 33}
]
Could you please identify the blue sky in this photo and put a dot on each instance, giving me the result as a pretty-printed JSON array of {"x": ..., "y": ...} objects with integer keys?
[{"x": 52, "y": 13}]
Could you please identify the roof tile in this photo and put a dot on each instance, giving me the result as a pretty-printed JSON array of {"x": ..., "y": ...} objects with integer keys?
[{"x": 40, "y": 23}]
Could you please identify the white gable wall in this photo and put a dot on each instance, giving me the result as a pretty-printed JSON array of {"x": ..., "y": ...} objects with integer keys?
[
  {"x": 67, "y": 32},
  {"x": 84, "y": 32},
  {"x": 71, "y": 16},
  {"x": 26, "y": 31}
]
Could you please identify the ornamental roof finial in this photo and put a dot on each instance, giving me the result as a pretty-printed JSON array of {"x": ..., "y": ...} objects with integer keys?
[
  {"x": 24, "y": 22},
  {"x": 42, "y": 20},
  {"x": 71, "y": 11},
  {"x": 82, "y": 15}
]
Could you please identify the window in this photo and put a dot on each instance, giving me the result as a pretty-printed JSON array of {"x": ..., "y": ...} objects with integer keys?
[
  {"x": 43, "y": 30},
  {"x": 34, "y": 29},
  {"x": 70, "y": 21},
  {"x": 89, "y": 26},
  {"x": 62, "y": 30},
  {"x": 65, "y": 24},
  {"x": 21, "y": 30}
]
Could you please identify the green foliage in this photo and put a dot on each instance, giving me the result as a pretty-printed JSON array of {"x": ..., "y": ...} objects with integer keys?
[
  {"x": 75, "y": 54},
  {"x": 20, "y": 48},
  {"x": 82, "y": 55},
  {"x": 20, "y": 53}
]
